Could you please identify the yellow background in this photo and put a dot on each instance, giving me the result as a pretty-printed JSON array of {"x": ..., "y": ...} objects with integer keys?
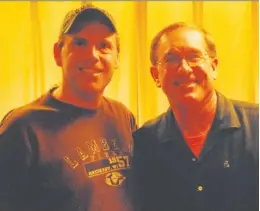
[{"x": 28, "y": 31}]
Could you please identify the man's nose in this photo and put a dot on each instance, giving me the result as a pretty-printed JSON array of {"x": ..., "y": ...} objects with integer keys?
[
  {"x": 92, "y": 54},
  {"x": 184, "y": 66}
]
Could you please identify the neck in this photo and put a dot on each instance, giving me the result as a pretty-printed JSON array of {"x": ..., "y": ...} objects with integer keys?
[
  {"x": 195, "y": 119},
  {"x": 86, "y": 101}
]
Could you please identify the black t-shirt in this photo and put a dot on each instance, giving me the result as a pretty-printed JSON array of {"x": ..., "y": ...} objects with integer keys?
[{"x": 58, "y": 157}]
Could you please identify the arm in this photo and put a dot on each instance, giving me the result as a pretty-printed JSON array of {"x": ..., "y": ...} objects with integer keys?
[{"x": 14, "y": 162}]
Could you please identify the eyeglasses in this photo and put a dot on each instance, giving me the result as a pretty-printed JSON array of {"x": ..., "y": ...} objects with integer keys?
[{"x": 173, "y": 61}]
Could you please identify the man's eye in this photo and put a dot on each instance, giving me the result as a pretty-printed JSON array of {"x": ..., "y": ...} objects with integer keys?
[
  {"x": 172, "y": 58},
  {"x": 80, "y": 43},
  {"x": 103, "y": 45},
  {"x": 193, "y": 57}
]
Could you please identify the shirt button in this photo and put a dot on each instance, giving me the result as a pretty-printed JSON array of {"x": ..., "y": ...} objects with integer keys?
[
  {"x": 193, "y": 159},
  {"x": 200, "y": 188}
]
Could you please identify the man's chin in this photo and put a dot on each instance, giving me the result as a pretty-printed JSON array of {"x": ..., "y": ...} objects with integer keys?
[
  {"x": 188, "y": 98},
  {"x": 92, "y": 90}
]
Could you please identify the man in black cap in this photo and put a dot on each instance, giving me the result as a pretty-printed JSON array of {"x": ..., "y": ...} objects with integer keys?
[{"x": 69, "y": 149}]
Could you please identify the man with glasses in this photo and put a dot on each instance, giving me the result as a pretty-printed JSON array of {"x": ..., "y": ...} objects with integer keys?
[{"x": 202, "y": 154}]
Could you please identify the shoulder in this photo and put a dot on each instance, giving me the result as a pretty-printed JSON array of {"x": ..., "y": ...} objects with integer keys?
[
  {"x": 119, "y": 111},
  {"x": 154, "y": 123},
  {"x": 246, "y": 107},
  {"x": 248, "y": 113},
  {"x": 151, "y": 128},
  {"x": 115, "y": 105},
  {"x": 20, "y": 116},
  {"x": 14, "y": 118},
  {"x": 241, "y": 111}
]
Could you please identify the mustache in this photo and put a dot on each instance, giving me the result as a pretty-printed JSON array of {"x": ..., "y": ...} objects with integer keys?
[{"x": 178, "y": 83}]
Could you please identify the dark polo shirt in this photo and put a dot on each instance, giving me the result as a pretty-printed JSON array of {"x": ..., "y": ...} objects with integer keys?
[{"x": 167, "y": 175}]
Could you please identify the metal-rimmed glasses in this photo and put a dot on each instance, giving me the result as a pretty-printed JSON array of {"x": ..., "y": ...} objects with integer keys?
[{"x": 173, "y": 60}]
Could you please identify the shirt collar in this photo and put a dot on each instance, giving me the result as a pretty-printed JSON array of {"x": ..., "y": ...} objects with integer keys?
[{"x": 226, "y": 117}]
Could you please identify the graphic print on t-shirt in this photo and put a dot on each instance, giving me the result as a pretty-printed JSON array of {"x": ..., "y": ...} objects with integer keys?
[{"x": 102, "y": 157}]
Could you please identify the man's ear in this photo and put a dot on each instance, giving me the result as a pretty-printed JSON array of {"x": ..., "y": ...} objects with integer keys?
[
  {"x": 155, "y": 75},
  {"x": 214, "y": 65},
  {"x": 57, "y": 54}
]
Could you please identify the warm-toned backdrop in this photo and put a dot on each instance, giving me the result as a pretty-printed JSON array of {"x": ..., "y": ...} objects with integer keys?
[{"x": 28, "y": 31}]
